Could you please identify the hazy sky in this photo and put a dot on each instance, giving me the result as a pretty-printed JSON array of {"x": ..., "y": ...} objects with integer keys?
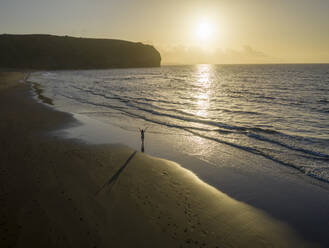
[{"x": 240, "y": 31}]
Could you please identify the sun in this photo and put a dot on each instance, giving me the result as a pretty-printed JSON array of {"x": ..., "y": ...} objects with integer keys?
[{"x": 204, "y": 31}]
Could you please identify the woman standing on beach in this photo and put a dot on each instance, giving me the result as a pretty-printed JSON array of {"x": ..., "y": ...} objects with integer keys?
[
  {"x": 143, "y": 133},
  {"x": 142, "y": 137}
]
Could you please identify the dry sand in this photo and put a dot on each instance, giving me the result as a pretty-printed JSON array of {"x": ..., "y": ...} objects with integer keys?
[{"x": 63, "y": 193}]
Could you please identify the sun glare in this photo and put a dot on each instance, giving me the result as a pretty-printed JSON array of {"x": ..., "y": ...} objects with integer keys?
[{"x": 204, "y": 31}]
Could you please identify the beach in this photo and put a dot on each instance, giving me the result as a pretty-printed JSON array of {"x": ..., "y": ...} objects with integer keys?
[{"x": 65, "y": 193}]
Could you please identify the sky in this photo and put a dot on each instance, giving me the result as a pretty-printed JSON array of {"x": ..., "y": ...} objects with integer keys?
[{"x": 187, "y": 31}]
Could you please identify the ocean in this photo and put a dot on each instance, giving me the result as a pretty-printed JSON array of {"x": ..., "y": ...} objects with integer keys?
[
  {"x": 279, "y": 113},
  {"x": 258, "y": 133}
]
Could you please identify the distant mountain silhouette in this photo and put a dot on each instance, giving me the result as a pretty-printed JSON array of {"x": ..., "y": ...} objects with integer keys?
[{"x": 48, "y": 52}]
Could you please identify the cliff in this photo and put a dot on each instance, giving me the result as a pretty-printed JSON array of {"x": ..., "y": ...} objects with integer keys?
[{"x": 48, "y": 52}]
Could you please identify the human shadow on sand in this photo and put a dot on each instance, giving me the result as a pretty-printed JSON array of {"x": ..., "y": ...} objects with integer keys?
[{"x": 111, "y": 182}]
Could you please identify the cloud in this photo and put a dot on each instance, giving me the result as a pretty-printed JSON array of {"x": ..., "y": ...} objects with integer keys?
[{"x": 197, "y": 55}]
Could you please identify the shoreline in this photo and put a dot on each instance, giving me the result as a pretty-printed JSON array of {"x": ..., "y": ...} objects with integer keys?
[
  {"x": 49, "y": 186},
  {"x": 281, "y": 192}
]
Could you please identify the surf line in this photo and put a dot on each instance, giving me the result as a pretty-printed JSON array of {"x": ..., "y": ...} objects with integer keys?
[{"x": 115, "y": 177}]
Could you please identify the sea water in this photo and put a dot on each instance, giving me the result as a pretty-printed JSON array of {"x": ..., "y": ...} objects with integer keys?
[{"x": 278, "y": 113}]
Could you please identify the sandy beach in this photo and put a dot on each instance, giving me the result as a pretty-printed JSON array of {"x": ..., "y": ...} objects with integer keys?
[{"x": 64, "y": 193}]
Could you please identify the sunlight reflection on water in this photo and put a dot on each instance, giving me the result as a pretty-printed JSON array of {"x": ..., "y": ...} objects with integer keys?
[
  {"x": 203, "y": 84},
  {"x": 276, "y": 111}
]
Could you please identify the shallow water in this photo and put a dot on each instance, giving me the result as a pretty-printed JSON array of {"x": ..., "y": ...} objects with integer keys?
[
  {"x": 259, "y": 133},
  {"x": 277, "y": 112}
]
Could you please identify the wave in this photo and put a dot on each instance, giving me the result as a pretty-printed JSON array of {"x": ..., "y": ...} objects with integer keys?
[
  {"x": 323, "y": 101},
  {"x": 190, "y": 118},
  {"x": 305, "y": 170},
  {"x": 309, "y": 152},
  {"x": 131, "y": 114},
  {"x": 167, "y": 98},
  {"x": 315, "y": 155}
]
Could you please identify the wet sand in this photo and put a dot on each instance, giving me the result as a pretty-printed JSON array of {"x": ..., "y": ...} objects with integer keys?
[{"x": 63, "y": 193}]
